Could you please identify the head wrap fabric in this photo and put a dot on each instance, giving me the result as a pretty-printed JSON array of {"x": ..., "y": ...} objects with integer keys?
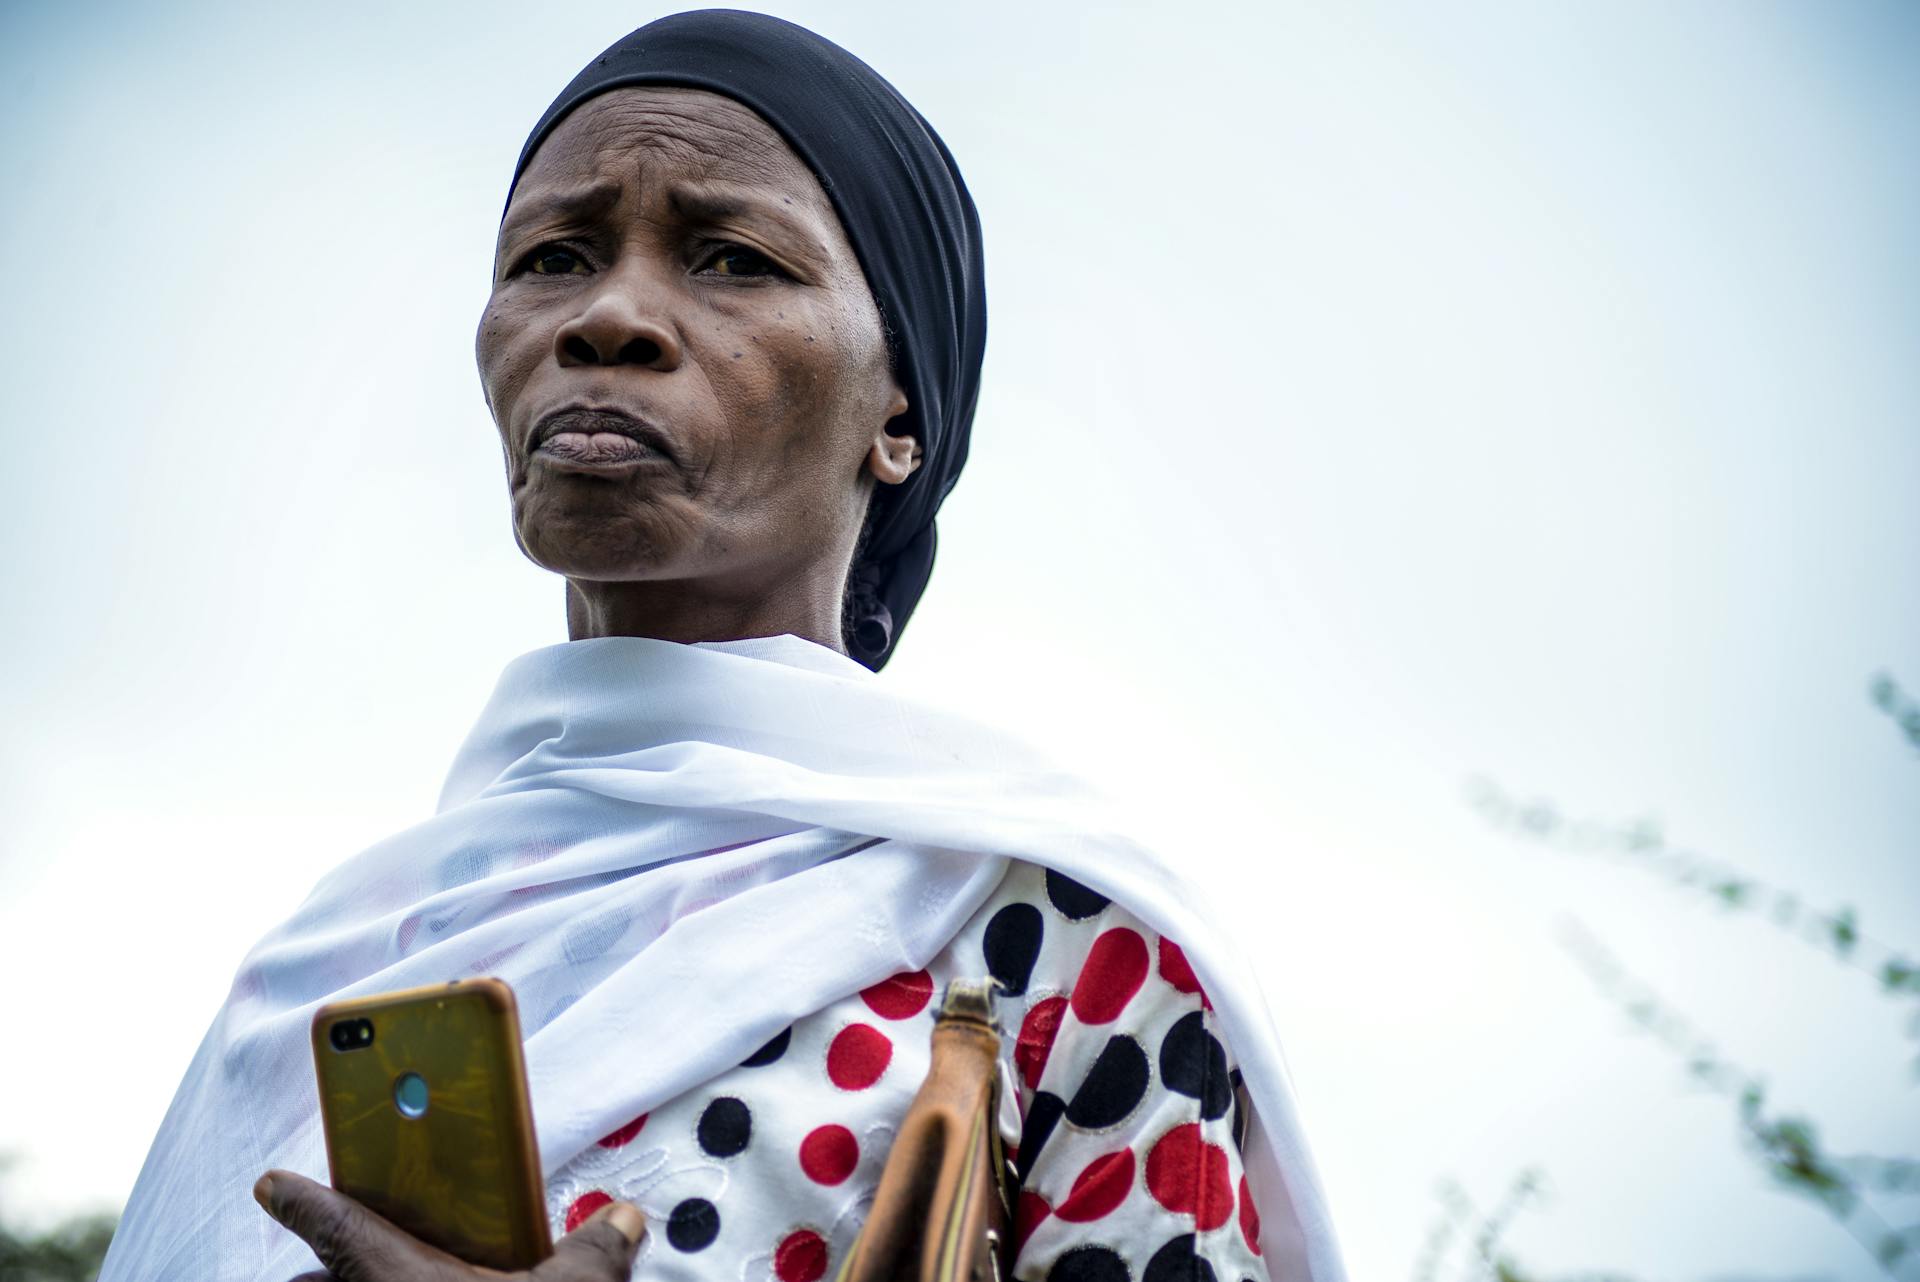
[{"x": 911, "y": 222}]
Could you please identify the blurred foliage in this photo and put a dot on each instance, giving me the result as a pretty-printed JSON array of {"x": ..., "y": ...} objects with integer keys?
[
  {"x": 1786, "y": 1146},
  {"x": 1480, "y": 1234},
  {"x": 1487, "y": 1260},
  {"x": 1903, "y": 707},
  {"x": 1640, "y": 843},
  {"x": 68, "y": 1252},
  {"x": 71, "y": 1251}
]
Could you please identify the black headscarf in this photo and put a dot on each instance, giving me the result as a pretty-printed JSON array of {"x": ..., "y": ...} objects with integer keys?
[{"x": 912, "y": 224}]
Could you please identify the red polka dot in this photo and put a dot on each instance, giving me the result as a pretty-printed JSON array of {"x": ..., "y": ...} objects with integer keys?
[
  {"x": 1028, "y": 1216},
  {"x": 1249, "y": 1219},
  {"x": 1097, "y": 1190},
  {"x": 829, "y": 1154},
  {"x": 857, "y": 1056},
  {"x": 615, "y": 1139},
  {"x": 585, "y": 1205},
  {"x": 1115, "y": 969},
  {"x": 1037, "y": 1032},
  {"x": 1176, "y": 969},
  {"x": 1187, "y": 1175},
  {"x": 801, "y": 1257},
  {"x": 901, "y": 997}
]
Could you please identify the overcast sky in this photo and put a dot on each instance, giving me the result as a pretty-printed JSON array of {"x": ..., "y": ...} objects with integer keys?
[{"x": 1378, "y": 398}]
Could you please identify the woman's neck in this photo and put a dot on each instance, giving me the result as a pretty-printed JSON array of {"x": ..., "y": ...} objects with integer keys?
[{"x": 685, "y": 612}]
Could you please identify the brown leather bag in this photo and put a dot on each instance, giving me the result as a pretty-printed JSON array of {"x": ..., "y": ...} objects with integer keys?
[{"x": 941, "y": 1213}]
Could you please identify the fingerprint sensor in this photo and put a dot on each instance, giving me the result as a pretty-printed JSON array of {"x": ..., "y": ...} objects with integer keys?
[{"x": 410, "y": 1094}]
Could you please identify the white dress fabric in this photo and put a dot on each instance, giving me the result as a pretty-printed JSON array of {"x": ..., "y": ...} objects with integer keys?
[
  {"x": 672, "y": 853},
  {"x": 1121, "y": 1114}
]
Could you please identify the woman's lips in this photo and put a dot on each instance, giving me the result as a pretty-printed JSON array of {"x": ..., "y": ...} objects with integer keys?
[
  {"x": 595, "y": 449},
  {"x": 608, "y": 442}
]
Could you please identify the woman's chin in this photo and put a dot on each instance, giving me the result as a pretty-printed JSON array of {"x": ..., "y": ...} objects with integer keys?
[{"x": 601, "y": 548}]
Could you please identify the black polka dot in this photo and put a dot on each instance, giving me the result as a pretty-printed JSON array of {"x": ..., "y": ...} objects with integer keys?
[
  {"x": 1012, "y": 946},
  {"x": 1193, "y": 1062},
  {"x": 693, "y": 1225},
  {"x": 1075, "y": 902},
  {"x": 1239, "y": 1109},
  {"x": 725, "y": 1127},
  {"x": 1043, "y": 1114},
  {"x": 1089, "y": 1264},
  {"x": 770, "y": 1052},
  {"x": 1113, "y": 1088},
  {"x": 466, "y": 866},
  {"x": 590, "y": 937},
  {"x": 1176, "y": 1262}
]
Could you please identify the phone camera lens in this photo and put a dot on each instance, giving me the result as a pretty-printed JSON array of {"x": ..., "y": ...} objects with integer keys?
[{"x": 351, "y": 1034}]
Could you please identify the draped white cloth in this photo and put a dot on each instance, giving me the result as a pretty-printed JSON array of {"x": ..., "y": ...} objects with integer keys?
[{"x": 671, "y": 852}]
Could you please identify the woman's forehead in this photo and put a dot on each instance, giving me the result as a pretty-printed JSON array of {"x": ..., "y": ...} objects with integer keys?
[{"x": 660, "y": 130}]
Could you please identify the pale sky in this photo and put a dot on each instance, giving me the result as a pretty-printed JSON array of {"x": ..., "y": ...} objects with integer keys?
[{"x": 1377, "y": 397}]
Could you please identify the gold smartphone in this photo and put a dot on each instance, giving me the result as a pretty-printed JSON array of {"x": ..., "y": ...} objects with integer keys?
[{"x": 423, "y": 1097}]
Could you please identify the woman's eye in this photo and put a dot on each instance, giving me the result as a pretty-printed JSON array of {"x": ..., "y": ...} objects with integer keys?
[
  {"x": 736, "y": 260},
  {"x": 553, "y": 260}
]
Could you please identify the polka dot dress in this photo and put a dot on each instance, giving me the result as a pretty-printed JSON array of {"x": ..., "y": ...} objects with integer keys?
[{"x": 1122, "y": 1116}]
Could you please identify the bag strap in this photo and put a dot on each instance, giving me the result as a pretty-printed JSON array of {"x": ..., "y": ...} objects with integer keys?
[{"x": 941, "y": 1213}]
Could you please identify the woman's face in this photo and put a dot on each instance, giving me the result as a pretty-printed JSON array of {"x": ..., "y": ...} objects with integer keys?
[{"x": 685, "y": 364}]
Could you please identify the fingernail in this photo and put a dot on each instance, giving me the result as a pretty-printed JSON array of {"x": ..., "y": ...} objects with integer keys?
[
  {"x": 626, "y": 1218},
  {"x": 263, "y": 1192}
]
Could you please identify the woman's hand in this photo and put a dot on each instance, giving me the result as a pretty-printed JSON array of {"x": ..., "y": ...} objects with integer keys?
[{"x": 358, "y": 1246}]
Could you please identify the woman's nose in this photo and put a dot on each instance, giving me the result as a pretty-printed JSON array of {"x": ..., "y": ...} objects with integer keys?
[{"x": 617, "y": 329}]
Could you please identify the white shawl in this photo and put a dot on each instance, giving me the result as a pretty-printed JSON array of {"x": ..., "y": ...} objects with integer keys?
[{"x": 670, "y": 852}]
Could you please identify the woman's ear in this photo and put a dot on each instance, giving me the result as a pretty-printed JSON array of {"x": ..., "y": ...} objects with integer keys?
[{"x": 892, "y": 459}]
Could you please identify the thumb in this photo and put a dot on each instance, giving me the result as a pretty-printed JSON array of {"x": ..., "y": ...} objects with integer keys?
[{"x": 603, "y": 1247}]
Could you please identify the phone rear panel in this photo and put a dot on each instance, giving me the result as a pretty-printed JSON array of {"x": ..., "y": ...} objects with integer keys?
[{"x": 455, "y": 1165}]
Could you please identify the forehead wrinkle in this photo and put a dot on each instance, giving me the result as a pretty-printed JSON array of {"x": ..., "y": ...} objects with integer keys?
[
  {"x": 577, "y": 203},
  {"x": 707, "y": 129},
  {"x": 622, "y": 135},
  {"x": 714, "y": 158}
]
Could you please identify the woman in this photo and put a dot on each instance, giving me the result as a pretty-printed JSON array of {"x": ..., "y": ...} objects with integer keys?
[{"x": 732, "y": 351}]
